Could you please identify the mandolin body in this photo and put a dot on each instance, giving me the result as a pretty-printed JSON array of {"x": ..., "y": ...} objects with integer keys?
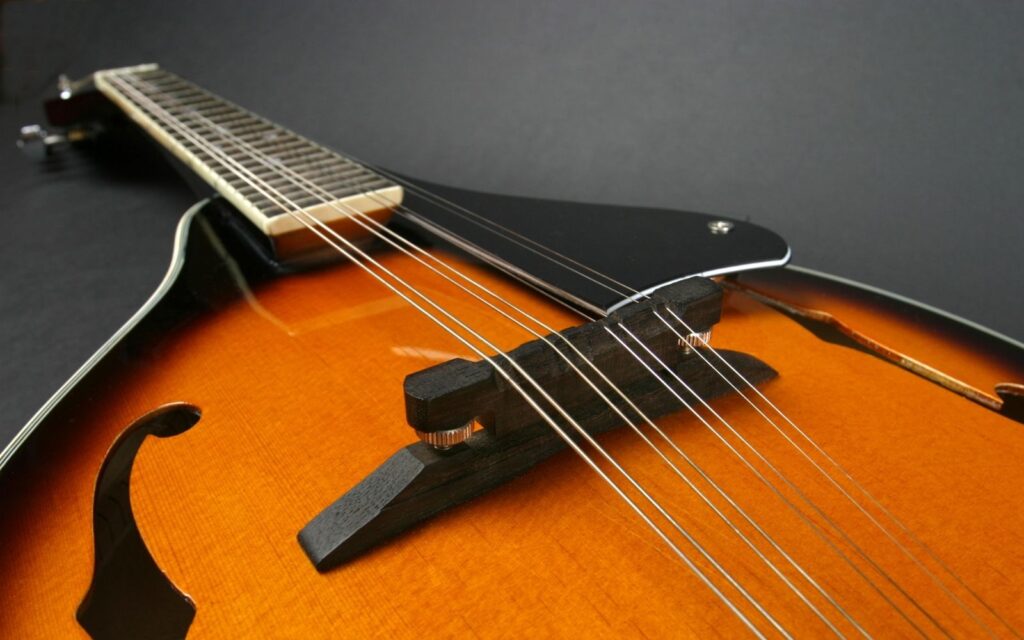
[{"x": 298, "y": 379}]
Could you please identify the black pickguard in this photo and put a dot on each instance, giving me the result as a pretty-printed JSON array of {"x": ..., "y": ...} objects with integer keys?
[{"x": 637, "y": 247}]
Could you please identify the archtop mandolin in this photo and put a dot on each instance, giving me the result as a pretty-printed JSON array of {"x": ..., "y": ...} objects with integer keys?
[{"x": 362, "y": 405}]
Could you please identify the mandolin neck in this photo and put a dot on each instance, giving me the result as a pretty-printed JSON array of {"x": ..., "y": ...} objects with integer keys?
[{"x": 281, "y": 181}]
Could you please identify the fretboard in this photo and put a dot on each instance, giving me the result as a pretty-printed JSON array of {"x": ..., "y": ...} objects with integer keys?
[{"x": 268, "y": 172}]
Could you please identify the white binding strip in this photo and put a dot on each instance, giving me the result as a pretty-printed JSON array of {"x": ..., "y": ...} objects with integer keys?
[
  {"x": 970, "y": 324},
  {"x": 766, "y": 264},
  {"x": 177, "y": 261}
]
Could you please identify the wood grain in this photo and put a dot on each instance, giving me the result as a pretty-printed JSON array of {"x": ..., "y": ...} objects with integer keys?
[{"x": 302, "y": 397}]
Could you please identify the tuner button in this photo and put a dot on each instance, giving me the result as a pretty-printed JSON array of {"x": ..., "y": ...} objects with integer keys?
[
  {"x": 37, "y": 143},
  {"x": 65, "y": 87}
]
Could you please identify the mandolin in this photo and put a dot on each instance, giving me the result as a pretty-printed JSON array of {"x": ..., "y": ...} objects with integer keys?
[{"x": 362, "y": 405}]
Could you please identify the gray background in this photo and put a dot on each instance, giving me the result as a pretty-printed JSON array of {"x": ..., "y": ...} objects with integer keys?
[{"x": 884, "y": 140}]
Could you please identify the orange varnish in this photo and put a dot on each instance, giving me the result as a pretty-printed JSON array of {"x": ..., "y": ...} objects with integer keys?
[{"x": 302, "y": 397}]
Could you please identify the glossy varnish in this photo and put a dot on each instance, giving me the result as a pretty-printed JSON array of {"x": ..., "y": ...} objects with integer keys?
[{"x": 300, "y": 390}]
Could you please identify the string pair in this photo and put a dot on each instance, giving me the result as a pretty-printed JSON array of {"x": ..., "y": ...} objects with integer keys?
[{"x": 275, "y": 195}]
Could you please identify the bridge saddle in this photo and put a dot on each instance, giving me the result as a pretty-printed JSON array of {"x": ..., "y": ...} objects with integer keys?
[{"x": 455, "y": 462}]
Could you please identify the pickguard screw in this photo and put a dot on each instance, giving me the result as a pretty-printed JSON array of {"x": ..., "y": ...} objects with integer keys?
[{"x": 720, "y": 227}]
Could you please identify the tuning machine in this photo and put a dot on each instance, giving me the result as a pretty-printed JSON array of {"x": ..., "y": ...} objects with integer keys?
[
  {"x": 67, "y": 88},
  {"x": 70, "y": 113},
  {"x": 38, "y": 143}
]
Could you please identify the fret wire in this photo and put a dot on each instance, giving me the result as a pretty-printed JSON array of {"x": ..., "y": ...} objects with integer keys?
[
  {"x": 191, "y": 106},
  {"x": 303, "y": 198},
  {"x": 355, "y": 180},
  {"x": 186, "y": 104},
  {"x": 186, "y": 115},
  {"x": 256, "y": 136},
  {"x": 162, "y": 96},
  {"x": 341, "y": 188},
  {"x": 229, "y": 121},
  {"x": 211, "y": 113},
  {"x": 344, "y": 189},
  {"x": 312, "y": 163},
  {"x": 276, "y": 138},
  {"x": 235, "y": 121},
  {"x": 219, "y": 110},
  {"x": 256, "y": 127},
  {"x": 158, "y": 88},
  {"x": 238, "y": 117},
  {"x": 300, "y": 150},
  {"x": 299, "y": 193},
  {"x": 289, "y": 157},
  {"x": 155, "y": 75},
  {"x": 323, "y": 174},
  {"x": 285, "y": 160},
  {"x": 278, "y": 146},
  {"x": 332, "y": 173},
  {"x": 197, "y": 99},
  {"x": 293, "y": 160},
  {"x": 170, "y": 102}
]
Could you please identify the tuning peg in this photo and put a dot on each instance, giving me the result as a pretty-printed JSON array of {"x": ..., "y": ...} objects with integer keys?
[
  {"x": 66, "y": 87},
  {"x": 37, "y": 143}
]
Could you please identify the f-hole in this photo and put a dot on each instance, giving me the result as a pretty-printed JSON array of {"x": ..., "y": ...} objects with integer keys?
[{"x": 130, "y": 596}]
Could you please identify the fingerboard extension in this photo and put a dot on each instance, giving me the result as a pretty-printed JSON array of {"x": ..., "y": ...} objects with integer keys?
[{"x": 275, "y": 177}]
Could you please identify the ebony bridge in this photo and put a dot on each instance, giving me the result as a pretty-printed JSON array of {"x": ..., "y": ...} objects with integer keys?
[{"x": 454, "y": 463}]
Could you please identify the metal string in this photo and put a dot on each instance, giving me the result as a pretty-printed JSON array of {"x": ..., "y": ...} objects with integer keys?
[
  {"x": 539, "y": 250},
  {"x": 213, "y": 151},
  {"x": 935, "y": 579},
  {"x": 256, "y": 153},
  {"x": 565, "y": 261},
  {"x": 857, "y": 549},
  {"x": 222, "y": 130},
  {"x": 799, "y": 513},
  {"x": 831, "y": 522},
  {"x": 928, "y": 551}
]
